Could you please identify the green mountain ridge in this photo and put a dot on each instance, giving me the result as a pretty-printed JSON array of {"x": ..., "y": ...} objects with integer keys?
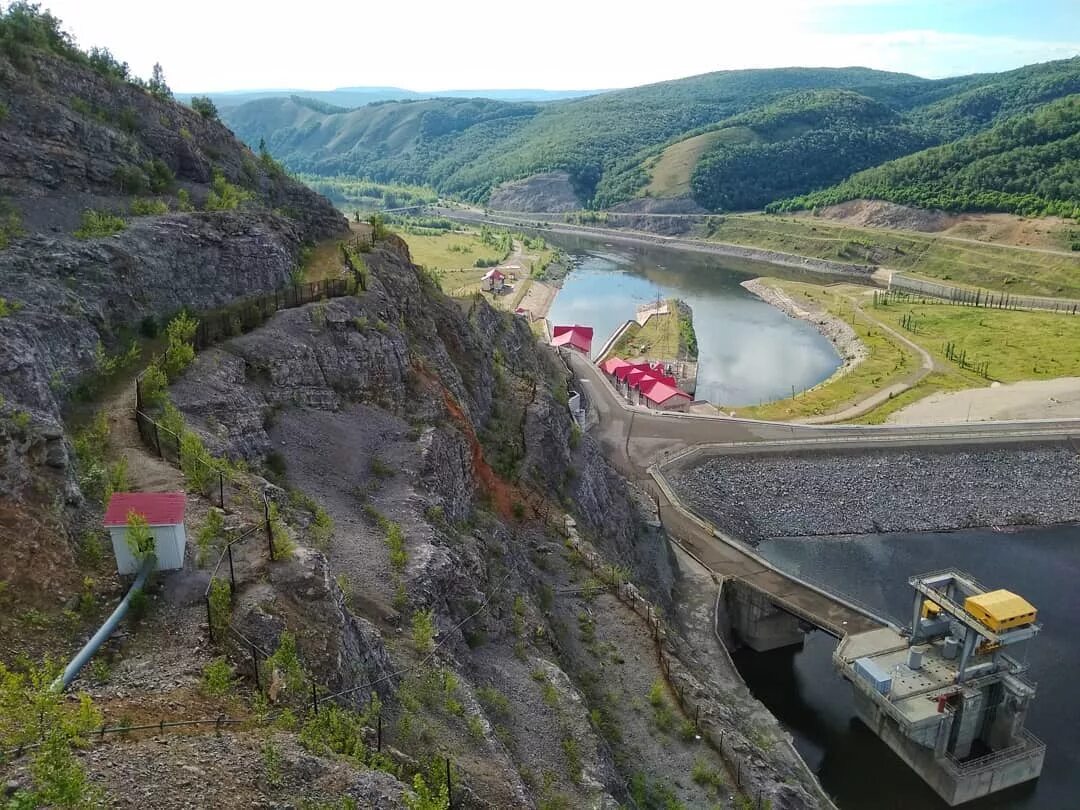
[
  {"x": 1028, "y": 164},
  {"x": 784, "y": 133}
]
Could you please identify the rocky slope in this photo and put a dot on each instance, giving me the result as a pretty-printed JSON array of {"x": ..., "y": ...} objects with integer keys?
[{"x": 72, "y": 139}]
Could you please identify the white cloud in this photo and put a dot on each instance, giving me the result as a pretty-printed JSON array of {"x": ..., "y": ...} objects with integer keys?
[{"x": 430, "y": 44}]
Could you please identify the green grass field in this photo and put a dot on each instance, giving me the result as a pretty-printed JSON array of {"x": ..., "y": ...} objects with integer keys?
[
  {"x": 670, "y": 171},
  {"x": 454, "y": 250},
  {"x": 658, "y": 339},
  {"x": 1017, "y": 345},
  {"x": 992, "y": 267}
]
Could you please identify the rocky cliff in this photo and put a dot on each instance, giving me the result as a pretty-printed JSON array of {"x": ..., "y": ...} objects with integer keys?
[{"x": 73, "y": 140}]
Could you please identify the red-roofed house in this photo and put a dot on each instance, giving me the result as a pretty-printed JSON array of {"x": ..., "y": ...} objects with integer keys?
[
  {"x": 163, "y": 512},
  {"x": 622, "y": 372},
  {"x": 493, "y": 280},
  {"x": 613, "y": 364},
  {"x": 574, "y": 337},
  {"x": 657, "y": 394}
]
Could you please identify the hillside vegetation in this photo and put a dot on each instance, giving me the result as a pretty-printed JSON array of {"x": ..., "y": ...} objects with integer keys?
[
  {"x": 730, "y": 140},
  {"x": 1028, "y": 164}
]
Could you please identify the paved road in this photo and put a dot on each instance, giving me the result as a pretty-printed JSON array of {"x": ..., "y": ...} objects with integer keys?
[{"x": 634, "y": 438}]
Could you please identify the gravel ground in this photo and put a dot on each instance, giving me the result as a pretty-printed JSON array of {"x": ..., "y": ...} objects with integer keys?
[{"x": 895, "y": 490}]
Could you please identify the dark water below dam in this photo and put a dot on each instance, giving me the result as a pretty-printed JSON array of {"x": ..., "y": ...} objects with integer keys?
[
  {"x": 814, "y": 703},
  {"x": 748, "y": 351}
]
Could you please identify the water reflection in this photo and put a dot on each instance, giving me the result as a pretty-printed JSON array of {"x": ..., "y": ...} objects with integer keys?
[{"x": 749, "y": 352}]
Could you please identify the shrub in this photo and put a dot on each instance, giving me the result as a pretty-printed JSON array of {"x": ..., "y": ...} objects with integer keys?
[
  {"x": 335, "y": 730},
  {"x": 205, "y": 107},
  {"x": 152, "y": 384},
  {"x": 131, "y": 180},
  {"x": 160, "y": 175},
  {"x": 286, "y": 661},
  {"x": 209, "y": 534},
  {"x": 220, "y": 608},
  {"x": 140, "y": 539},
  {"x": 128, "y": 120},
  {"x": 322, "y": 527},
  {"x": 99, "y": 224},
  {"x": 180, "y": 348},
  {"x": 196, "y": 463},
  {"x": 218, "y": 677},
  {"x": 224, "y": 196},
  {"x": 423, "y": 631},
  {"x": 10, "y": 224},
  {"x": 141, "y": 207},
  {"x": 275, "y": 463},
  {"x": 183, "y": 200},
  {"x": 8, "y": 307},
  {"x": 424, "y": 797}
]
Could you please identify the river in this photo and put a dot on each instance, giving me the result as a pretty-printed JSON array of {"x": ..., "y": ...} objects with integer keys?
[
  {"x": 814, "y": 704},
  {"x": 748, "y": 351}
]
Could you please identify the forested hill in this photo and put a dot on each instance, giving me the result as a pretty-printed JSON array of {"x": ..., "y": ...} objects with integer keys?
[
  {"x": 467, "y": 146},
  {"x": 1028, "y": 164},
  {"x": 730, "y": 140}
]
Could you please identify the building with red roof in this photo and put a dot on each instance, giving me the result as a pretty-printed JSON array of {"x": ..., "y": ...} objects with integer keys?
[
  {"x": 613, "y": 364},
  {"x": 646, "y": 384},
  {"x": 658, "y": 394},
  {"x": 493, "y": 280},
  {"x": 163, "y": 513},
  {"x": 573, "y": 337}
]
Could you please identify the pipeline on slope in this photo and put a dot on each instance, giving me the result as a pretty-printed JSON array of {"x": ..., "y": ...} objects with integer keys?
[{"x": 83, "y": 656}]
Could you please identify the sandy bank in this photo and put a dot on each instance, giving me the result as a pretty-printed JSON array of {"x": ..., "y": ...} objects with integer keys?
[
  {"x": 837, "y": 331},
  {"x": 1031, "y": 399}
]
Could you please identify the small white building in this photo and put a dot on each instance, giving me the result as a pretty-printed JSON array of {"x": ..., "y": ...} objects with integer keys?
[{"x": 163, "y": 513}]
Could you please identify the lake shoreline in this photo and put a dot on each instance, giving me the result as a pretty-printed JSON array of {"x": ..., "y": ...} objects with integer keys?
[{"x": 837, "y": 331}]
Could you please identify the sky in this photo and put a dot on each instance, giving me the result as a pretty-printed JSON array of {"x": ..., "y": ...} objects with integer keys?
[{"x": 428, "y": 45}]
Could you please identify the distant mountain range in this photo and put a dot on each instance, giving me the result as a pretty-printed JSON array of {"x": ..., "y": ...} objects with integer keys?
[
  {"x": 732, "y": 140},
  {"x": 350, "y": 97}
]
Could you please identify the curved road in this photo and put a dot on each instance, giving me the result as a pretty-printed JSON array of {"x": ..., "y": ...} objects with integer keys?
[{"x": 635, "y": 438}]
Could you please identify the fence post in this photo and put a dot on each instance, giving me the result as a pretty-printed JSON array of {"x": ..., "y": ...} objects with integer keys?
[
  {"x": 232, "y": 573},
  {"x": 378, "y": 738},
  {"x": 255, "y": 667},
  {"x": 449, "y": 787},
  {"x": 209, "y": 618},
  {"x": 221, "y": 488},
  {"x": 269, "y": 528},
  {"x": 314, "y": 698},
  {"x": 157, "y": 439}
]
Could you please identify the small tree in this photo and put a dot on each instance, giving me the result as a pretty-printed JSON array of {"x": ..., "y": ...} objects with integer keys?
[
  {"x": 378, "y": 226},
  {"x": 205, "y": 107},
  {"x": 157, "y": 84},
  {"x": 140, "y": 539}
]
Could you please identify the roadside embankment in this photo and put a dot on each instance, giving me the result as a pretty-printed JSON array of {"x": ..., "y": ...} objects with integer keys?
[
  {"x": 836, "y": 330},
  {"x": 755, "y": 497}
]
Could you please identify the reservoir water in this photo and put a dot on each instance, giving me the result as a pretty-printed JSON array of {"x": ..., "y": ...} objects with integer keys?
[
  {"x": 748, "y": 351},
  {"x": 814, "y": 705}
]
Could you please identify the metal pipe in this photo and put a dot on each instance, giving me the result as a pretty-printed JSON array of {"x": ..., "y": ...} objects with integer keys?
[{"x": 87, "y": 652}]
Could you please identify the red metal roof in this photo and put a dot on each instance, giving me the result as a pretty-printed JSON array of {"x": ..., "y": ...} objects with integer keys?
[
  {"x": 660, "y": 392},
  {"x": 580, "y": 337},
  {"x": 612, "y": 364},
  {"x": 622, "y": 371},
  {"x": 159, "y": 508}
]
